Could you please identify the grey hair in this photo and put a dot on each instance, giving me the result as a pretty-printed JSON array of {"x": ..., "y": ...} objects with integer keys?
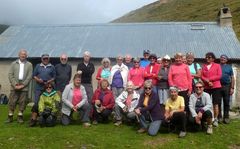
[
  {"x": 105, "y": 60},
  {"x": 87, "y": 53}
]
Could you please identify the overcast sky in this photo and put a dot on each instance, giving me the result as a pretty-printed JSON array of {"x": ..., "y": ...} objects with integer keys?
[{"x": 65, "y": 11}]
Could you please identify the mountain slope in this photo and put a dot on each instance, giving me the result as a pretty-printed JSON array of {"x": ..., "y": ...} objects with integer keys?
[{"x": 183, "y": 10}]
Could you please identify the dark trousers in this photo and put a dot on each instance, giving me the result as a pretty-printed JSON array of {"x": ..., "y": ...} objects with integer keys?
[
  {"x": 206, "y": 115},
  {"x": 225, "y": 94},
  {"x": 89, "y": 91},
  {"x": 184, "y": 94},
  {"x": 104, "y": 115},
  {"x": 179, "y": 119},
  {"x": 48, "y": 121}
]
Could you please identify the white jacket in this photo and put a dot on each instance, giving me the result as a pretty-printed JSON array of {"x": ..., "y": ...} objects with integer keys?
[
  {"x": 124, "y": 73},
  {"x": 121, "y": 99}
]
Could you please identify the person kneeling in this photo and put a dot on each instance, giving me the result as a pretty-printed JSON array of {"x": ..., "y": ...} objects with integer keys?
[
  {"x": 200, "y": 106},
  {"x": 126, "y": 103},
  {"x": 103, "y": 102},
  {"x": 149, "y": 110},
  {"x": 48, "y": 106},
  {"x": 174, "y": 111},
  {"x": 74, "y": 99}
]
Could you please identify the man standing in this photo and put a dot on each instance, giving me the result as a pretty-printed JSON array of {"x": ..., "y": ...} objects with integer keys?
[
  {"x": 128, "y": 61},
  {"x": 20, "y": 74},
  {"x": 63, "y": 74},
  {"x": 44, "y": 73},
  {"x": 227, "y": 82},
  {"x": 145, "y": 61},
  {"x": 86, "y": 69}
]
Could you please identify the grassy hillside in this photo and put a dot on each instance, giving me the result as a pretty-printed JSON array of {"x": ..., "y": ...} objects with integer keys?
[{"x": 184, "y": 10}]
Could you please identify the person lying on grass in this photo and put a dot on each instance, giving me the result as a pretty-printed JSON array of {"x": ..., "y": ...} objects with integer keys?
[{"x": 48, "y": 106}]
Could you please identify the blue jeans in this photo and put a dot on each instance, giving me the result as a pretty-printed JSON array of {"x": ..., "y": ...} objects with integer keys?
[{"x": 153, "y": 126}]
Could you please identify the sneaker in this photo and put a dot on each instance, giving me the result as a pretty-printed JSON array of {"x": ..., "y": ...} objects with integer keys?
[
  {"x": 209, "y": 130},
  {"x": 118, "y": 123},
  {"x": 9, "y": 119},
  {"x": 20, "y": 119},
  {"x": 95, "y": 122},
  {"x": 182, "y": 134},
  {"x": 142, "y": 130},
  {"x": 32, "y": 123},
  {"x": 226, "y": 120},
  {"x": 215, "y": 123},
  {"x": 86, "y": 124}
]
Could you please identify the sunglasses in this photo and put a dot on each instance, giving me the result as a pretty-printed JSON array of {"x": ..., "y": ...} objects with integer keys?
[
  {"x": 64, "y": 59},
  {"x": 208, "y": 57},
  {"x": 136, "y": 62},
  {"x": 199, "y": 86},
  {"x": 49, "y": 87},
  {"x": 147, "y": 88},
  {"x": 45, "y": 58}
]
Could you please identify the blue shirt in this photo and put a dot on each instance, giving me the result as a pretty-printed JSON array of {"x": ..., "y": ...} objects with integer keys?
[
  {"x": 144, "y": 63},
  {"x": 227, "y": 73},
  {"x": 117, "y": 80}
]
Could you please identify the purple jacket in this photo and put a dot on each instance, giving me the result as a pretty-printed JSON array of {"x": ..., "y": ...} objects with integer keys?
[{"x": 154, "y": 108}]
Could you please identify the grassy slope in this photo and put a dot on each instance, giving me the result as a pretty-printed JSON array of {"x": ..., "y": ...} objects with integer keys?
[
  {"x": 108, "y": 136},
  {"x": 184, "y": 10}
]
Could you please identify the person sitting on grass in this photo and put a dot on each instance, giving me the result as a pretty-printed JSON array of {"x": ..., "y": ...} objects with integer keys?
[
  {"x": 126, "y": 103},
  {"x": 103, "y": 102},
  {"x": 149, "y": 110},
  {"x": 174, "y": 111},
  {"x": 74, "y": 99},
  {"x": 200, "y": 106},
  {"x": 48, "y": 106}
]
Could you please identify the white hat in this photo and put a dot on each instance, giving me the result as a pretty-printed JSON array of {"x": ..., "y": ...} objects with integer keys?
[{"x": 166, "y": 57}]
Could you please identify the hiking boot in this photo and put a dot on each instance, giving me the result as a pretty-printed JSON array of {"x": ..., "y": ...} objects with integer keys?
[
  {"x": 95, "y": 122},
  {"x": 142, "y": 130},
  {"x": 86, "y": 124},
  {"x": 9, "y": 119},
  {"x": 226, "y": 120},
  {"x": 182, "y": 134},
  {"x": 215, "y": 123},
  {"x": 32, "y": 123},
  {"x": 118, "y": 123},
  {"x": 20, "y": 119},
  {"x": 209, "y": 130}
]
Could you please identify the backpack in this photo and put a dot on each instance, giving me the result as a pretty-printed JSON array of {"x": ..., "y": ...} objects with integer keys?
[{"x": 3, "y": 99}]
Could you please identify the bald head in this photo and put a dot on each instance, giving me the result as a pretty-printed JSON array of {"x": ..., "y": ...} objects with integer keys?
[{"x": 64, "y": 58}]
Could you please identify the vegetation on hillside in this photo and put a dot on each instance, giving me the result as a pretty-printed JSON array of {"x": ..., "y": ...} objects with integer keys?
[
  {"x": 3, "y": 28},
  {"x": 184, "y": 10}
]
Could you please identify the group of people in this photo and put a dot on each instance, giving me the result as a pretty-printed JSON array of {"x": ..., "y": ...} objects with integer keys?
[{"x": 151, "y": 91}]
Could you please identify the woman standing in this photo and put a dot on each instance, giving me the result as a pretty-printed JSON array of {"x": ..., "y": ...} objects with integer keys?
[
  {"x": 74, "y": 99},
  {"x": 179, "y": 76},
  {"x": 211, "y": 75},
  {"x": 104, "y": 71}
]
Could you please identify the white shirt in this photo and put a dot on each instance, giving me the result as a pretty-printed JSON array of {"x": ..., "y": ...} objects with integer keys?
[{"x": 21, "y": 70}]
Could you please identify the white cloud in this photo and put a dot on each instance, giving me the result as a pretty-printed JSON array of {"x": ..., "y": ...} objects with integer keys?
[{"x": 65, "y": 11}]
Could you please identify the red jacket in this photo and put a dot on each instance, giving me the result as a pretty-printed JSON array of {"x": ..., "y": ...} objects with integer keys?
[
  {"x": 108, "y": 99},
  {"x": 153, "y": 75},
  {"x": 213, "y": 75}
]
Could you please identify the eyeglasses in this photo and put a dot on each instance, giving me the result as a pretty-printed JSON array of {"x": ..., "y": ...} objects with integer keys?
[
  {"x": 46, "y": 58},
  {"x": 199, "y": 86},
  {"x": 147, "y": 88},
  {"x": 64, "y": 59},
  {"x": 208, "y": 57},
  {"x": 136, "y": 62},
  {"x": 49, "y": 87}
]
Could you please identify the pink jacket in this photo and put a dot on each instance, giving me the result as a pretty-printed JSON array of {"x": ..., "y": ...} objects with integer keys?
[
  {"x": 136, "y": 75},
  {"x": 180, "y": 76},
  {"x": 152, "y": 74},
  {"x": 213, "y": 75}
]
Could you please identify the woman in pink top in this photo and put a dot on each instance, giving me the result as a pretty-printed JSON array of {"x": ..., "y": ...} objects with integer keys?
[
  {"x": 179, "y": 76},
  {"x": 136, "y": 75},
  {"x": 211, "y": 75}
]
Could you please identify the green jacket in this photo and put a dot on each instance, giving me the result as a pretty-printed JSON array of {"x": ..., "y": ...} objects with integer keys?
[
  {"x": 13, "y": 74},
  {"x": 49, "y": 100}
]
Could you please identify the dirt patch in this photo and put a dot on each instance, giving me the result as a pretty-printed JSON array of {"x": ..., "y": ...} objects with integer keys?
[
  {"x": 156, "y": 142},
  {"x": 234, "y": 146}
]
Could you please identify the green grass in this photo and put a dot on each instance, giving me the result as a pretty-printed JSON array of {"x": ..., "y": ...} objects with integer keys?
[
  {"x": 184, "y": 10},
  {"x": 74, "y": 136}
]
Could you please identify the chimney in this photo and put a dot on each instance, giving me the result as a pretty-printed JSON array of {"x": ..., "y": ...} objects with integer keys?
[{"x": 225, "y": 17}]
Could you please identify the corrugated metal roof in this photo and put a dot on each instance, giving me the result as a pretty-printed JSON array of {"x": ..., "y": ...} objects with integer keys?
[{"x": 110, "y": 40}]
